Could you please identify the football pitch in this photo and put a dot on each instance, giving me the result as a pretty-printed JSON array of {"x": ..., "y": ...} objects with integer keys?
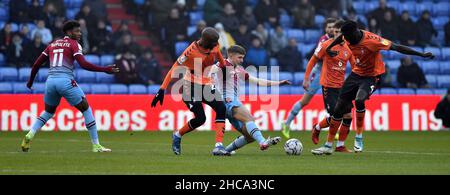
[{"x": 150, "y": 153}]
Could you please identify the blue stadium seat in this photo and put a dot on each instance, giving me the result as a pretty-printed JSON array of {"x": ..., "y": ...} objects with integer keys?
[
  {"x": 312, "y": 36},
  {"x": 71, "y": 13},
  {"x": 286, "y": 76},
  {"x": 100, "y": 89},
  {"x": 137, "y": 89},
  {"x": 359, "y": 7},
  {"x": 180, "y": 47},
  {"x": 283, "y": 90},
  {"x": 191, "y": 30},
  {"x": 153, "y": 89},
  {"x": 297, "y": 90},
  {"x": 94, "y": 59},
  {"x": 430, "y": 67},
  {"x": 139, "y": 2},
  {"x": 443, "y": 81},
  {"x": 435, "y": 50},
  {"x": 393, "y": 65},
  {"x": 298, "y": 78},
  {"x": 24, "y": 74},
  {"x": 39, "y": 88},
  {"x": 273, "y": 62},
  {"x": 306, "y": 48},
  {"x": 432, "y": 80},
  {"x": 21, "y": 88},
  {"x": 439, "y": 22},
  {"x": 424, "y": 92},
  {"x": 8, "y": 74},
  {"x": 42, "y": 75},
  {"x": 297, "y": 34},
  {"x": 86, "y": 87},
  {"x": 6, "y": 88},
  {"x": 445, "y": 67},
  {"x": 441, "y": 8},
  {"x": 388, "y": 91},
  {"x": 410, "y": 7},
  {"x": 104, "y": 78},
  {"x": 420, "y": 7},
  {"x": 14, "y": 27},
  {"x": 195, "y": 17},
  {"x": 2, "y": 60},
  {"x": 106, "y": 60},
  {"x": 319, "y": 20},
  {"x": 446, "y": 53},
  {"x": 4, "y": 15},
  {"x": 440, "y": 91},
  {"x": 200, "y": 4},
  {"x": 406, "y": 91},
  {"x": 371, "y": 5},
  {"x": 118, "y": 89},
  {"x": 285, "y": 21},
  {"x": 85, "y": 76}
]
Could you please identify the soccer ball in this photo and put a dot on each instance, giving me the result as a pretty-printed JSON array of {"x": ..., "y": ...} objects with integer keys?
[{"x": 293, "y": 147}]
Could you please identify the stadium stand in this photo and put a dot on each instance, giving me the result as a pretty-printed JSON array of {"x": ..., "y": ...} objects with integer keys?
[{"x": 13, "y": 79}]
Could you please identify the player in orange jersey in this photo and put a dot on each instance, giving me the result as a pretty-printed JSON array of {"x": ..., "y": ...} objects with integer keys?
[
  {"x": 366, "y": 73},
  {"x": 198, "y": 88},
  {"x": 331, "y": 79}
]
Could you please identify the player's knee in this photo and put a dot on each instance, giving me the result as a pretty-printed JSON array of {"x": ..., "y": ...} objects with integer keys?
[
  {"x": 348, "y": 115},
  {"x": 83, "y": 105},
  {"x": 50, "y": 109},
  {"x": 340, "y": 109},
  {"x": 360, "y": 104}
]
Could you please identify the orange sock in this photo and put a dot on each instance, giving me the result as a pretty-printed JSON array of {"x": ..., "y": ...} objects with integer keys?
[
  {"x": 343, "y": 132},
  {"x": 324, "y": 123},
  {"x": 220, "y": 130},
  {"x": 185, "y": 129},
  {"x": 360, "y": 122},
  {"x": 334, "y": 126}
]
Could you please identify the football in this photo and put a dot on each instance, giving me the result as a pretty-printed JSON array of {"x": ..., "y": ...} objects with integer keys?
[{"x": 293, "y": 147}]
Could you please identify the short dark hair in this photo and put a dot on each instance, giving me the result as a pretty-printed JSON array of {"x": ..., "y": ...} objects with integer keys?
[
  {"x": 349, "y": 26},
  {"x": 236, "y": 49},
  {"x": 70, "y": 25},
  {"x": 339, "y": 24},
  {"x": 329, "y": 20}
]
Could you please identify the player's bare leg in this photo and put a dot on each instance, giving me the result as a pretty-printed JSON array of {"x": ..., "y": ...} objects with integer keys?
[
  {"x": 306, "y": 98},
  {"x": 242, "y": 114},
  {"x": 38, "y": 124}
]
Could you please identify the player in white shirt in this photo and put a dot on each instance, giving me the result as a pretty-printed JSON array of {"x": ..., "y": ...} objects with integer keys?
[{"x": 239, "y": 116}]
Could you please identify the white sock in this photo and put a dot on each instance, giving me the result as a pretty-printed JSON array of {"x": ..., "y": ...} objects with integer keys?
[
  {"x": 329, "y": 144},
  {"x": 177, "y": 134},
  {"x": 317, "y": 127},
  {"x": 219, "y": 144},
  {"x": 358, "y": 135},
  {"x": 339, "y": 144}
]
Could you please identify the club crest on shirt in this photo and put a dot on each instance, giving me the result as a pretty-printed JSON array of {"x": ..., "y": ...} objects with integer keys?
[{"x": 384, "y": 42}]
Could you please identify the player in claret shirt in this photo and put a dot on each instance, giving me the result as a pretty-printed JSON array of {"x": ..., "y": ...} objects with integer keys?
[
  {"x": 61, "y": 55},
  {"x": 366, "y": 73}
]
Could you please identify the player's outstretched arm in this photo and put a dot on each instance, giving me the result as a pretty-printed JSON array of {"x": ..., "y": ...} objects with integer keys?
[
  {"x": 264, "y": 82},
  {"x": 336, "y": 41},
  {"x": 312, "y": 62},
  {"x": 409, "y": 51},
  {"x": 34, "y": 70},
  {"x": 91, "y": 67},
  {"x": 159, "y": 97}
]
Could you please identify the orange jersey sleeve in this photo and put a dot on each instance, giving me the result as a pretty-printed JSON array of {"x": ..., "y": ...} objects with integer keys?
[{"x": 376, "y": 43}]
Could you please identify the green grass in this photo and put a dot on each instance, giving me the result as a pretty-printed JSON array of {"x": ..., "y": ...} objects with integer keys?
[{"x": 150, "y": 153}]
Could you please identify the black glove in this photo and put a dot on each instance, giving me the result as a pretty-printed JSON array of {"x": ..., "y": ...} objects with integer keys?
[
  {"x": 428, "y": 55},
  {"x": 159, "y": 97}
]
